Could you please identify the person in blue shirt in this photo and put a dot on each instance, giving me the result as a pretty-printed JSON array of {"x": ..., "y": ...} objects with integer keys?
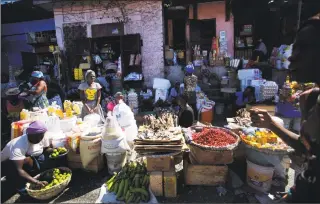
[{"x": 245, "y": 97}]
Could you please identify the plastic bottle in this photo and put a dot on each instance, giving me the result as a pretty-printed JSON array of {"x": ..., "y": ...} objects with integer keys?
[{"x": 24, "y": 114}]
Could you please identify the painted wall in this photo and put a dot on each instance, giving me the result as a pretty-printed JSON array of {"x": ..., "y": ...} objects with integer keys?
[
  {"x": 217, "y": 10},
  {"x": 145, "y": 18},
  {"x": 14, "y": 39}
]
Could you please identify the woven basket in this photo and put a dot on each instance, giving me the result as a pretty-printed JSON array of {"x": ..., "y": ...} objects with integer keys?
[
  {"x": 206, "y": 155},
  {"x": 51, "y": 192},
  {"x": 270, "y": 151}
]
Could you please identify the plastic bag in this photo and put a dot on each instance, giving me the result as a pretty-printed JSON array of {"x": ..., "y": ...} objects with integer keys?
[
  {"x": 73, "y": 141},
  {"x": 123, "y": 114},
  {"x": 94, "y": 119},
  {"x": 113, "y": 138},
  {"x": 58, "y": 139},
  {"x": 89, "y": 149}
]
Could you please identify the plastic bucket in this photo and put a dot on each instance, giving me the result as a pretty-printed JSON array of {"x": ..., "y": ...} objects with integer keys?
[
  {"x": 116, "y": 161},
  {"x": 259, "y": 177},
  {"x": 206, "y": 114},
  {"x": 66, "y": 125}
]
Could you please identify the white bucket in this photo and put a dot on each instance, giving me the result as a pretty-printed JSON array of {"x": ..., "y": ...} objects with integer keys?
[
  {"x": 259, "y": 177},
  {"x": 296, "y": 124},
  {"x": 66, "y": 125},
  {"x": 116, "y": 161}
]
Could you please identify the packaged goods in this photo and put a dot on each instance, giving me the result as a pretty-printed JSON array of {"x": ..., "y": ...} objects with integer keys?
[
  {"x": 73, "y": 141},
  {"x": 90, "y": 148}
]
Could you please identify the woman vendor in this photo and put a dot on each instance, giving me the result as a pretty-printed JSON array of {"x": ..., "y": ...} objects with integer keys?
[
  {"x": 305, "y": 65},
  {"x": 186, "y": 115},
  {"x": 38, "y": 91},
  {"x": 190, "y": 84},
  {"x": 26, "y": 155},
  {"x": 90, "y": 94}
]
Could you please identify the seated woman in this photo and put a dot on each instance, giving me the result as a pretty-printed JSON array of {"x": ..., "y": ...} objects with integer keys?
[
  {"x": 246, "y": 97},
  {"x": 186, "y": 115},
  {"x": 25, "y": 156}
]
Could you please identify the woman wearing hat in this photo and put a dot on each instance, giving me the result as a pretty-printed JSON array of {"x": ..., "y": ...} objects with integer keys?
[
  {"x": 38, "y": 91},
  {"x": 24, "y": 155},
  {"x": 190, "y": 84},
  {"x": 90, "y": 94}
]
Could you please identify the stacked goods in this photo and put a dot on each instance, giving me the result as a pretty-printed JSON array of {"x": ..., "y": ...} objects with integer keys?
[
  {"x": 263, "y": 139},
  {"x": 133, "y": 101},
  {"x": 131, "y": 184},
  {"x": 158, "y": 135},
  {"x": 268, "y": 90}
]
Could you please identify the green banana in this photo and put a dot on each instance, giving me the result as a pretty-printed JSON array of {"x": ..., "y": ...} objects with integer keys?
[
  {"x": 116, "y": 186},
  {"x": 126, "y": 187},
  {"x": 120, "y": 198},
  {"x": 131, "y": 197},
  {"x": 137, "y": 200},
  {"x": 144, "y": 180},
  {"x": 140, "y": 190},
  {"x": 121, "y": 186},
  {"x": 127, "y": 195}
]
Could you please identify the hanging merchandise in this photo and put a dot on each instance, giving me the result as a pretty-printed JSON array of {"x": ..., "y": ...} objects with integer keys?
[
  {"x": 138, "y": 60},
  {"x": 133, "y": 101},
  {"x": 132, "y": 57}
]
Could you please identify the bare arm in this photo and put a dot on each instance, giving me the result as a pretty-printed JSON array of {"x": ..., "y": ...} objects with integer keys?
[
  {"x": 23, "y": 173},
  {"x": 98, "y": 97},
  {"x": 288, "y": 137}
]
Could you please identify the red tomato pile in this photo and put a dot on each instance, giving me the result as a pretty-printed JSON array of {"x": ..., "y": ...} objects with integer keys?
[{"x": 213, "y": 137}]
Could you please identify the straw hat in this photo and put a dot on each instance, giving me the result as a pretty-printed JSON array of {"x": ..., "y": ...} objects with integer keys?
[{"x": 12, "y": 92}]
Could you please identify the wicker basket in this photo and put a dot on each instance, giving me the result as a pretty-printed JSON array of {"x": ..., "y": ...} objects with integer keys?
[
  {"x": 205, "y": 155},
  {"x": 51, "y": 192}
]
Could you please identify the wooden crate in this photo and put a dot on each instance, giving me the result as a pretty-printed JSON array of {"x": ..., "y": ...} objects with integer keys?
[
  {"x": 74, "y": 162},
  {"x": 207, "y": 175},
  {"x": 160, "y": 163}
]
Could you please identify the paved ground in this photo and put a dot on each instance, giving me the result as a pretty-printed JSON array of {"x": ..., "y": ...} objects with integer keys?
[{"x": 85, "y": 188}]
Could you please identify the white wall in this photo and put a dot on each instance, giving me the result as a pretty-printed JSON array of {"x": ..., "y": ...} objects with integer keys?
[{"x": 145, "y": 18}]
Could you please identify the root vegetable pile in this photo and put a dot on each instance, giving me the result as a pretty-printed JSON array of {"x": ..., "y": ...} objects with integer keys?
[{"x": 213, "y": 137}]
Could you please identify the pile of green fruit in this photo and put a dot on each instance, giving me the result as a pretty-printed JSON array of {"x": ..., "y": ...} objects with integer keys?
[
  {"x": 57, "y": 178},
  {"x": 131, "y": 184},
  {"x": 57, "y": 152}
]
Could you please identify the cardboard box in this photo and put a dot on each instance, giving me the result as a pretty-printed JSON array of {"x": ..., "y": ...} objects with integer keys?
[
  {"x": 156, "y": 183},
  {"x": 207, "y": 175},
  {"x": 159, "y": 163},
  {"x": 170, "y": 184},
  {"x": 74, "y": 162}
]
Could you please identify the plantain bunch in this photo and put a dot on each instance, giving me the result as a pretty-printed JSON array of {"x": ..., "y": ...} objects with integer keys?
[{"x": 131, "y": 183}]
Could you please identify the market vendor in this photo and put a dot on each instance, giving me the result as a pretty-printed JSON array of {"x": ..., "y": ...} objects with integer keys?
[
  {"x": 186, "y": 115},
  {"x": 125, "y": 117},
  {"x": 146, "y": 100},
  {"x": 190, "y": 85},
  {"x": 13, "y": 104},
  {"x": 38, "y": 91},
  {"x": 175, "y": 92},
  {"x": 25, "y": 156},
  {"x": 305, "y": 65},
  {"x": 244, "y": 98},
  {"x": 90, "y": 94}
]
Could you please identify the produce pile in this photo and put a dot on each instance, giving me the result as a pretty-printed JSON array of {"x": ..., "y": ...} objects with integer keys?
[
  {"x": 165, "y": 120},
  {"x": 58, "y": 152},
  {"x": 243, "y": 118},
  {"x": 159, "y": 134},
  {"x": 213, "y": 137},
  {"x": 57, "y": 177},
  {"x": 264, "y": 139},
  {"x": 131, "y": 184}
]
